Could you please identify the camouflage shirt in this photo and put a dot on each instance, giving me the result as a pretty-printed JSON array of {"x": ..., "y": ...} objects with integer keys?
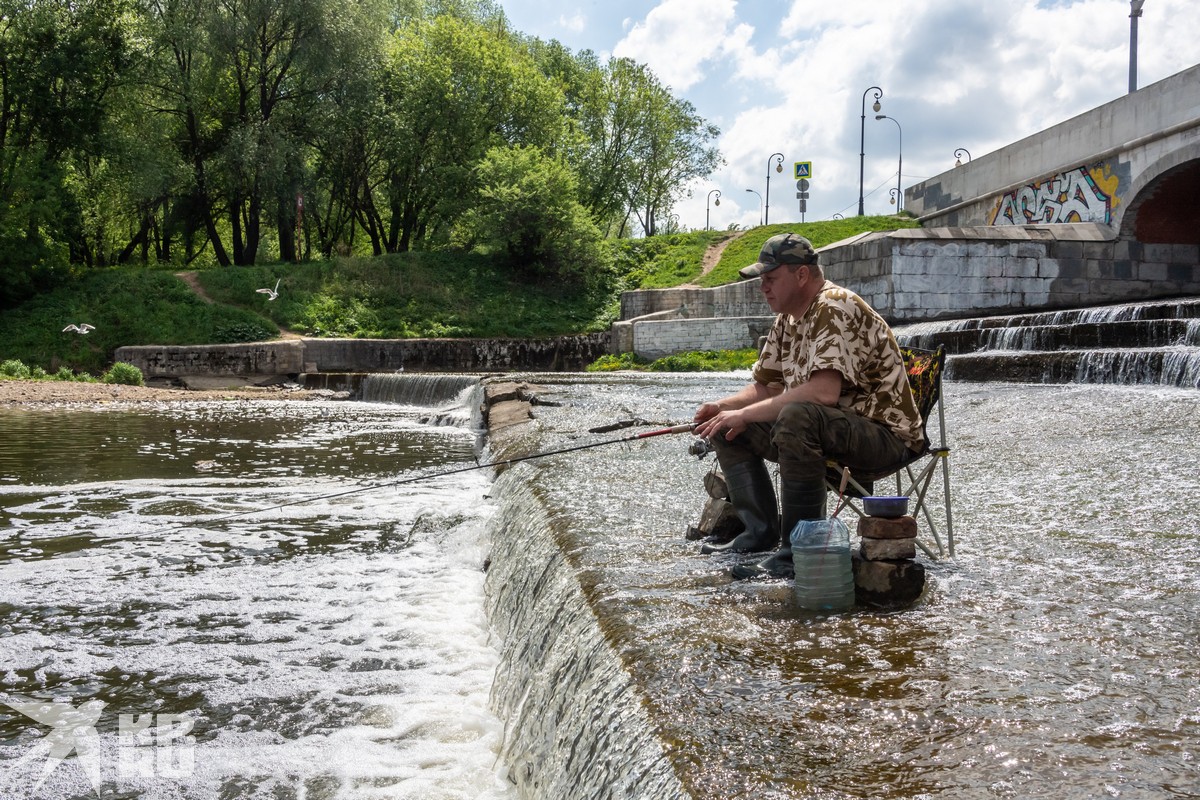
[{"x": 840, "y": 331}]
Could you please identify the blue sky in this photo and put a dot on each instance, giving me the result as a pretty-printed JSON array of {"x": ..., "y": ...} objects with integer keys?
[{"x": 789, "y": 76}]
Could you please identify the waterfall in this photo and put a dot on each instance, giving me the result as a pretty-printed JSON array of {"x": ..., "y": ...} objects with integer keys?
[
  {"x": 576, "y": 725},
  {"x": 456, "y": 399},
  {"x": 1155, "y": 342}
]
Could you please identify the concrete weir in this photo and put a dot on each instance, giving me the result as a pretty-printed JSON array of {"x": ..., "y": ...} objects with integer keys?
[{"x": 265, "y": 361}]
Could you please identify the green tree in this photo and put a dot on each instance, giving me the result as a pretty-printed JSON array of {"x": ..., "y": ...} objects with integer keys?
[
  {"x": 59, "y": 60},
  {"x": 450, "y": 90},
  {"x": 528, "y": 213}
]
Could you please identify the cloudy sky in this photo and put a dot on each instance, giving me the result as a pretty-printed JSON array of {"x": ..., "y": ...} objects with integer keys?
[{"x": 789, "y": 76}]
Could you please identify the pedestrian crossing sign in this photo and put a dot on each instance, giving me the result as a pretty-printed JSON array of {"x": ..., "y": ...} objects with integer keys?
[{"x": 803, "y": 169}]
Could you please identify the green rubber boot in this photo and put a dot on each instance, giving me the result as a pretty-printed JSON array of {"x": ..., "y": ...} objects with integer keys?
[
  {"x": 753, "y": 499},
  {"x": 798, "y": 500}
]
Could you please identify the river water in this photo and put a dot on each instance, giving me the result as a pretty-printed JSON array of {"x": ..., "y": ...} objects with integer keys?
[
  {"x": 332, "y": 648},
  {"x": 1057, "y": 655},
  {"x": 340, "y": 648}
]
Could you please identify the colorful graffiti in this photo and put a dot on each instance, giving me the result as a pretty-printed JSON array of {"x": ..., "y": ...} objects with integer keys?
[{"x": 1084, "y": 194}]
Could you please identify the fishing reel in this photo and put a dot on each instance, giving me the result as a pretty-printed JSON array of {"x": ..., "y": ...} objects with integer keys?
[{"x": 700, "y": 448}]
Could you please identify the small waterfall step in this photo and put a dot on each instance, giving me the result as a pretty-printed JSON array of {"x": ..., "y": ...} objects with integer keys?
[{"x": 1155, "y": 342}]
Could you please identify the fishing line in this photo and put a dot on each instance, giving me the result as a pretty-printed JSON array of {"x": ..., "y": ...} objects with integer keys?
[{"x": 685, "y": 428}]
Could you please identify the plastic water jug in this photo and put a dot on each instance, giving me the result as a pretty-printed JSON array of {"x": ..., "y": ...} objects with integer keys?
[{"x": 821, "y": 556}]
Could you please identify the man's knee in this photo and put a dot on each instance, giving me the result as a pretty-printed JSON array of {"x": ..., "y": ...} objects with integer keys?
[{"x": 801, "y": 423}]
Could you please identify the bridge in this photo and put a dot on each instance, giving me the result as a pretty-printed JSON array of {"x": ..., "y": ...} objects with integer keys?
[{"x": 1102, "y": 208}]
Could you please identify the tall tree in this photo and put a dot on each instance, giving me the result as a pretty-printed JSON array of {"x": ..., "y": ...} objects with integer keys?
[
  {"x": 451, "y": 89},
  {"x": 59, "y": 59}
]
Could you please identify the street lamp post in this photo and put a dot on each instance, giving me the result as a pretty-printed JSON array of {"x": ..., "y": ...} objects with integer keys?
[
  {"x": 958, "y": 156},
  {"x": 900, "y": 165},
  {"x": 862, "y": 141},
  {"x": 716, "y": 202},
  {"x": 673, "y": 223},
  {"x": 778, "y": 168},
  {"x": 760, "y": 206},
  {"x": 1135, "y": 11}
]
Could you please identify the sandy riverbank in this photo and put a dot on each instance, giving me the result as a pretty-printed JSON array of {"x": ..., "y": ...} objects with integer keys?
[{"x": 15, "y": 392}]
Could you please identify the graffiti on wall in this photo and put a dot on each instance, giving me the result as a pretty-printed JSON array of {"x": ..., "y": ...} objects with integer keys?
[{"x": 1083, "y": 194}]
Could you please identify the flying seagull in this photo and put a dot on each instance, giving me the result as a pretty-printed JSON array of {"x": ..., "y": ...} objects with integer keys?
[
  {"x": 270, "y": 293},
  {"x": 81, "y": 328}
]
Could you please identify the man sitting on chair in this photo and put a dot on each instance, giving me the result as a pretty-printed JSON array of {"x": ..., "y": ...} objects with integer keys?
[{"x": 829, "y": 385}]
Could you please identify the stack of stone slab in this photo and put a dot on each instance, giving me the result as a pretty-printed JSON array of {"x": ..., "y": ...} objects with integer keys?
[{"x": 886, "y": 572}]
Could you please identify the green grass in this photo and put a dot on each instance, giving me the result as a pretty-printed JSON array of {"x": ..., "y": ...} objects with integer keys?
[
  {"x": 408, "y": 295},
  {"x": 127, "y": 306},
  {"x": 743, "y": 250},
  {"x": 696, "y": 361},
  {"x": 660, "y": 262}
]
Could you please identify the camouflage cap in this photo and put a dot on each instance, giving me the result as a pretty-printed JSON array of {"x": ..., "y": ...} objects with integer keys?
[{"x": 785, "y": 248}]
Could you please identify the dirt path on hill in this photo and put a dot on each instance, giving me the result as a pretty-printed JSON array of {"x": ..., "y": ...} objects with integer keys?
[
  {"x": 193, "y": 281},
  {"x": 712, "y": 257}
]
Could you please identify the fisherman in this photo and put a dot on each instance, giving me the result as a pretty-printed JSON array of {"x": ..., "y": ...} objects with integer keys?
[{"x": 829, "y": 384}]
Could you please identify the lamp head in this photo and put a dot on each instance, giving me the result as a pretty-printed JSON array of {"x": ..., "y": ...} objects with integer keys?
[
  {"x": 779, "y": 167},
  {"x": 876, "y": 105}
]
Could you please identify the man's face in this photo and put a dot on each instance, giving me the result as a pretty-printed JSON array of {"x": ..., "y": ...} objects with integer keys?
[{"x": 781, "y": 287}]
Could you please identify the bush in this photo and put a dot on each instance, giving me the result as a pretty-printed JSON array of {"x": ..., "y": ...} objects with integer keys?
[
  {"x": 695, "y": 361},
  {"x": 14, "y": 369},
  {"x": 125, "y": 374},
  {"x": 611, "y": 363}
]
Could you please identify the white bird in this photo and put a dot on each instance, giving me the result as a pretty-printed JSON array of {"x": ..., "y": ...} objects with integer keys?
[
  {"x": 271, "y": 293},
  {"x": 81, "y": 328}
]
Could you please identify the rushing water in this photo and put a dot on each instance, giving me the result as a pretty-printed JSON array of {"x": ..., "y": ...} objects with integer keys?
[
  {"x": 330, "y": 648},
  {"x": 1057, "y": 655},
  {"x": 338, "y": 648}
]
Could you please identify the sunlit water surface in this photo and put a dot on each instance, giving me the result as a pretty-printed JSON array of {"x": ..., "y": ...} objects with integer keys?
[
  {"x": 334, "y": 647},
  {"x": 1057, "y": 655}
]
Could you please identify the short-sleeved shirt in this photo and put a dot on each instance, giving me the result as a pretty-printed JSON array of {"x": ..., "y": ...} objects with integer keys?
[{"x": 839, "y": 331}]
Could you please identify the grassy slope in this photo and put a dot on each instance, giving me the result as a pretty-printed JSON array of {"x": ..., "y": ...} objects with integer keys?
[{"x": 395, "y": 296}]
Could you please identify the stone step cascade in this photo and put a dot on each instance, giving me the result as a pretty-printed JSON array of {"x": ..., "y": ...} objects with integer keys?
[{"x": 1156, "y": 342}]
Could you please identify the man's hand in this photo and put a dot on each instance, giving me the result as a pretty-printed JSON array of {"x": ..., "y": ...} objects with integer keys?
[
  {"x": 728, "y": 423},
  {"x": 706, "y": 411}
]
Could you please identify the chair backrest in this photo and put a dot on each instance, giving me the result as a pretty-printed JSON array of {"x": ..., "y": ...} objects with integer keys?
[{"x": 924, "y": 368}]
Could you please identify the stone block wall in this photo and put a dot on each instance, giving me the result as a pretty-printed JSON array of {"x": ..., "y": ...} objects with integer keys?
[{"x": 656, "y": 339}]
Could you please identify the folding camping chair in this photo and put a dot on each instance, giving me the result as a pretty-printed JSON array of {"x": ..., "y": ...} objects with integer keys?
[{"x": 925, "y": 368}]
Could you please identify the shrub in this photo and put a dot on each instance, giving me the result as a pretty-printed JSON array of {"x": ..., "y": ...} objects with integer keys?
[
  {"x": 14, "y": 369},
  {"x": 125, "y": 374},
  {"x": 612, "y": 363}
]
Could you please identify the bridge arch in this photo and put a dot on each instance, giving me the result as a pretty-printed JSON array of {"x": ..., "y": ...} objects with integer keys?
[{"x": 1165, "y": 200}]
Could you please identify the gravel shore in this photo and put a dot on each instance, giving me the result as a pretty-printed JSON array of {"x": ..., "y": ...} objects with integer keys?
[{"x": 16, "y": 392}]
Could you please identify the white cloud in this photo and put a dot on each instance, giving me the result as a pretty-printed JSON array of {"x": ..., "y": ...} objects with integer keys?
[
  {"x": 678, "y": 37},
  {"x": 574, "y": 23}
]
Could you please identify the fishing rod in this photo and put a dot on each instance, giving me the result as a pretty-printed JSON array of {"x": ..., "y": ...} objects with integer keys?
[{"x": 685, "y": 428}]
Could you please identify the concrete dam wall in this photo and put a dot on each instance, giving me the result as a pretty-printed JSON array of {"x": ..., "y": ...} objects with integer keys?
[{"x": 306, "y": 356}]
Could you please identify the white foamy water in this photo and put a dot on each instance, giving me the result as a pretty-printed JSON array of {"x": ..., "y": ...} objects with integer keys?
[{"x": 336, "y": 648}]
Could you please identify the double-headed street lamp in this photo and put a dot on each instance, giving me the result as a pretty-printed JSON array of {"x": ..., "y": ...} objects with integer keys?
[
  {"x": 716, "y": 202},
  {"x": 958, "y": 156},
  {"x": 900, "y": 165},
  {"x": 760, "y": 206},
  {"x": 778, "y": 157},
  {"x": 862, "y": 140}
]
